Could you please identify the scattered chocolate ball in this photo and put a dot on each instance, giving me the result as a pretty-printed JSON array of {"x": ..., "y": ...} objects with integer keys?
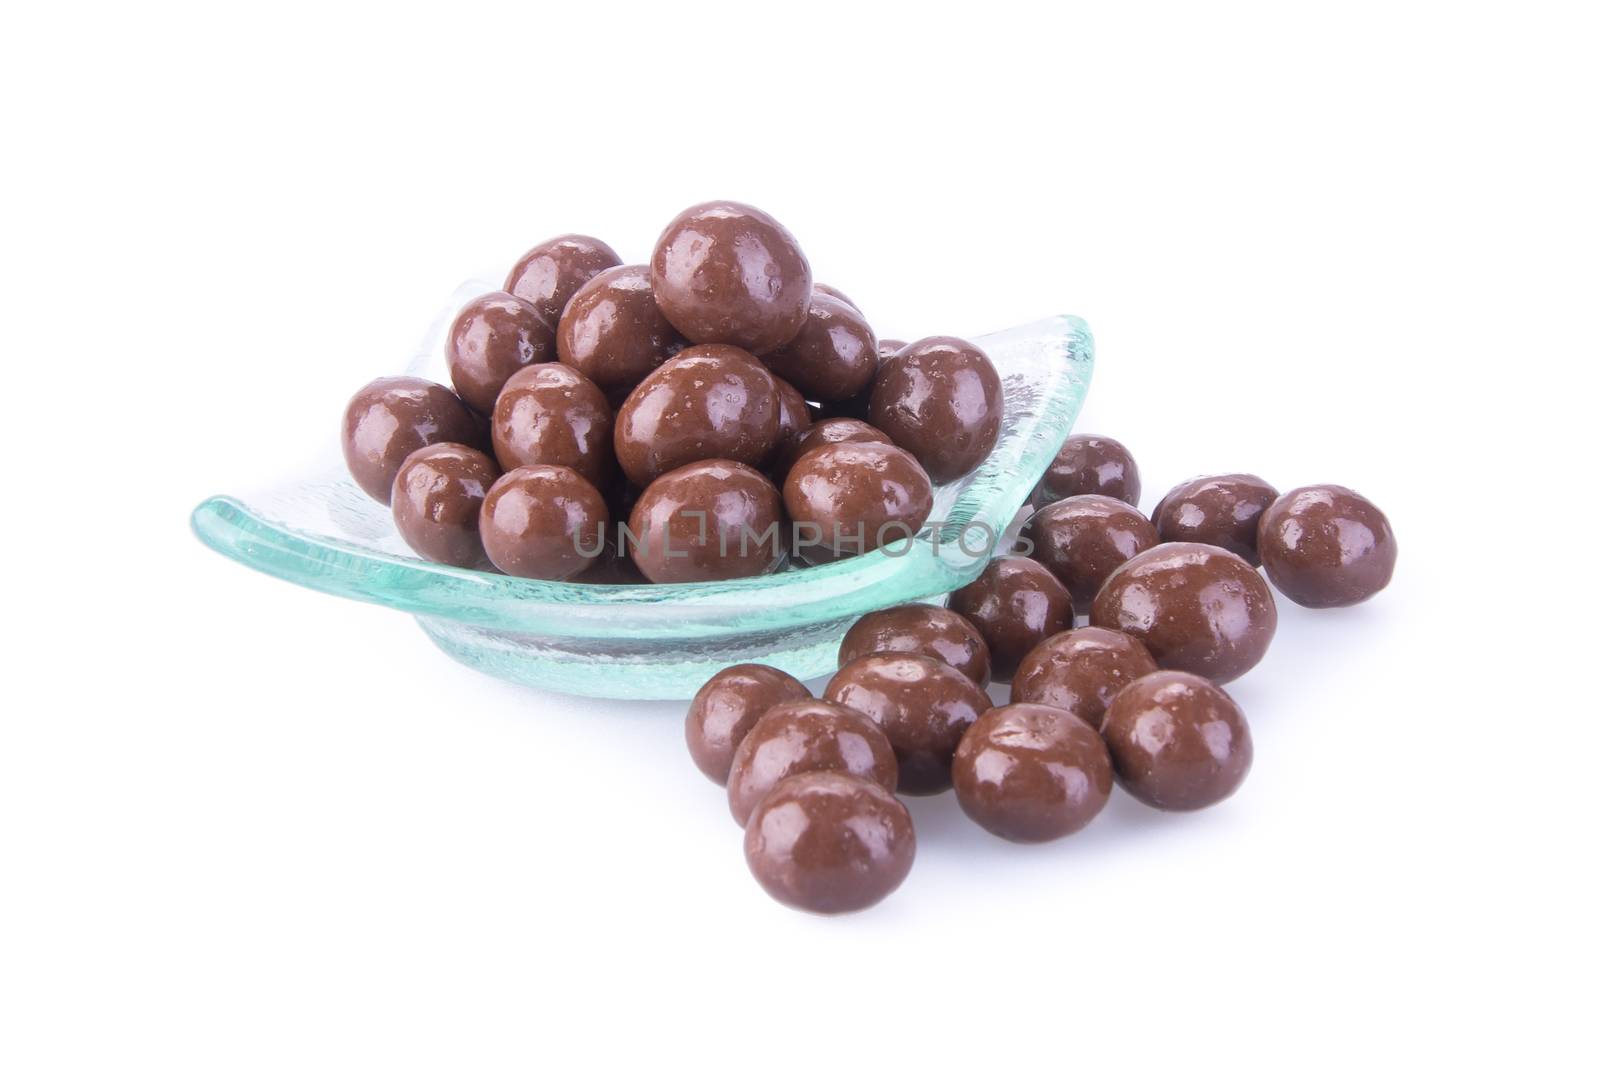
[
  {"x": 727, "y": 706},
  {"x": 543, "y": 522},
  {"x": 549, "y": 273},
  {"x": 491, "y": 339},
  {"x": 940, "y": 399},
  {"x": 826, "y": 842},
  {"x": 1031, "y": 773},
  {"x": 729, "y": 274},
  {"x": 1016, "y": 603},
  {"x": 806, "y": 735},
  {"x": 613, "y": 334},
  {"x": 1177, "y": 741},
  {"x": 551, "y": 414},
  {"x": 1089, "y": 463},
  {"x": 390, "y": 418},
  {"x": 707, "y": 522},
  {"x": 1080, "y": 671},
  {"x": 924, "y": 629},
  {"x": 832, "y": 291},
  {"x": 437, "y": 497},
  {"x": 1083, "y": 539},
  {"x": 855, "y": 496},
  {"x": 827, "y": 432},
  {"x": 922, "y": 704},
  {"x": 708, "y": 402},
  {"x": 1195, "y": 607},
  {"x": 1327, "y": 546},
  {"x": 1220, "y": 510},
  {"x": 834, "y": 355}
]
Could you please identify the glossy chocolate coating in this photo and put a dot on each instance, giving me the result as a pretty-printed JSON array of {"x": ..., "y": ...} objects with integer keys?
[
  {"x": 805, "y": 735},
  {"x": 834, "y": 355},
  {"x": 550, "y": 414},
  {"x": 925, "y": 629},
  {"x": 1080, "y": 671},
  {"x": 708, "y": 402},
  {"x": 858, "y": 496},
  {"x": 437, "y": 497},
  {"x": 889, "y": 346},
  {"x": 1089, "y": 463},
  {"x": 727, "y": 706},
  {"x": 923, "y": 705},
  {"x": 543, "y": 522},
  {"x": 826, "y": 842},
  {"x": 548, "y": 274},
  {"x": 1220, "y": 510},
  {"x": 826, "y": 432},
  {"x": 1031, "y": 773},
  {"x": 1083, "y": 539},
  {"x": 1327, "y": 546},
  {"x": 823, "y": 289},
  {"x": 794, "y": 419},
  {"x": 390, "y": 418},
  {"x": 1177, "y": 741},
  {"x": 706, "y": 522},
  {"x": 1195, "y": 607},
  {"x": 1016, "y": 603},
  {"x": 940, "y": 399},
  {"x": 491, "y": 339},
  {"x": 727, "y": 273},
  {"x": 612, "y": 333}
]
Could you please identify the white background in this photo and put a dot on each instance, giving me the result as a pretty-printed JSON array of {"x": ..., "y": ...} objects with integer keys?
[{"x": 242, "y": 823}]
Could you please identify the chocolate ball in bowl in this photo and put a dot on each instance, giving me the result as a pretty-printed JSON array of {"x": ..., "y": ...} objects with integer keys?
[
  {"x": 852, "y": 497},
  {"x": 551, "y": 414},
  {"x": 549, "y": 273},
  {"x": 924, "y": 629},
  {"x": 1177, "y": 741},
  {"x": 1016, "y": 603},
  {"x": 794, "y": 419},
  {"x": 491, "y": 339},
  {"x": 437, "y": 498},
  {"x": 1080, "y": 671},
  {"x": 806, "y": 735},
  {"x": 543, "y": 522},
  {"x": 822, "y": 289},
  {"x": 707, "y": 522},
  {"x": 707, "y": 402},
  {"x": 834, "y": 355},
  {"x": 1031, "y": 773},
  {"x": 612, "y": 332},
  {"x": 1220, "y": 510},
  {"x": 727, "y": 706},
  {"x": 888, "y": 347},
  {"x": 390, "y": 418},
  {"x": 726, "y": 273},
  {"x": 940, "y": 399},
  {"x": 1327, "y": 546},
  {"x": 1083, "y": 539},
  {"x": 1089, "y": 463},
  {"x": 826, "y": 432}
]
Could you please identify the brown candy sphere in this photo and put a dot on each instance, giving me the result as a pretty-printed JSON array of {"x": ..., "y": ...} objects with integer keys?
[
  {"x": 1080, "y": 671},
  {"x": 1083, "y": 539},
  {"x": 1016, "y": 603},
  {"x": 550, "y": 414},
  {"x": 707, "y": 522},
  {"x": 549, "y": 273},
  {"x": 543, "y": 522},
  {"x": 727, "y": 273},
  {"x": 390, "y": 418},
  {"x": 1195, "y": 607},
  {"x": 1089, "y": 463},
  {"x": 805, "y": 735},
  {"x": 940, "y": 399},
  {"x": 612, "y": 333},
  {"x": 491, "y": 339},
  {"x": 825, "y": 290},
  {"x": 707, "y": 402},
  {"x": 827, "y": 432},
  {"x": 1177, "y": 741},
  {"x": 826, "y": 842},
  {"x": 1220, "y": 510},
  {"x": 437, "y": 497},
  {"x": 727, "y": 706},
  {"x": 856, "y": 496},
  {"x": 1031, "y": 773},
  {"x": 1327, "y": 546},
  {"x": 834, "y": 355},
  {"x": 924, "y": 629},
  {"x": 889, "y": 346},
  {"x": 794, "y": 419},
  {"x": 923, "y": 705}
]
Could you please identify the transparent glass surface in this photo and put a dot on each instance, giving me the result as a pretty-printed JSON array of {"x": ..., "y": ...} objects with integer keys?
[{"x": 317, "y": 529}]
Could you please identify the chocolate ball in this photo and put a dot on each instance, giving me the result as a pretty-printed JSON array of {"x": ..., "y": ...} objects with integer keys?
[
  {"x": 1080, "y": 671},
  {"x": 708, "y": 402},
  {"x": 727, "y": 706},
  {"x": 1177, "y": 741},
  {"x": 924, "y": 629},
  {"x": 800, "y": 736},
  {"x": 707, "y": 522},
  {"x": 491, "y": 339},
  {"x": 1220, "y": 510},
  {"x": 834, "y": 355},
  {"x": 729, "y": 274},
  {"x": 940, "y": 399},
  {"x": 1195, "y": 607},
  {"x": 827, "y": 432},
  {"x": 390, "y": 418},
  {"x": 437, "y": 497},
  {"x": 612, "y": 333},
  {"x": 1089, "y": 463},
  {"x": 888, "y": 347},
  {"x": 543, "y": 522},
  {"x": 922, "y": 704},
  {"x": 1016, "y": 603},
  {"x": 794, "y": 419},
  {"x": 1031, "y": 773},
  {"x": 854, "y": 497},
  {"x": 826, "y": 842},
  {"x": 1327, "y": 546},
  {"x": 548, "y": 274},
  {"x": 1083, "y": 539},
  {"x": 822, "y": 289},
  {"x": 550, "y": 414}
]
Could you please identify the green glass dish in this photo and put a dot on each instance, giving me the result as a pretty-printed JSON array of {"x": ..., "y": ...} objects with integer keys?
[{"x": 647, "y": 641}]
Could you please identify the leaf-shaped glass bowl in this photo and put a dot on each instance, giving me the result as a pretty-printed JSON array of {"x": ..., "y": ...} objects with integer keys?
[{"x": 647, "y": 641}]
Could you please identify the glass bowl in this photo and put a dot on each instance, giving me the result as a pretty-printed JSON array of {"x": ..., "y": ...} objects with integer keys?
[{"x": 647, "y": 641}]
